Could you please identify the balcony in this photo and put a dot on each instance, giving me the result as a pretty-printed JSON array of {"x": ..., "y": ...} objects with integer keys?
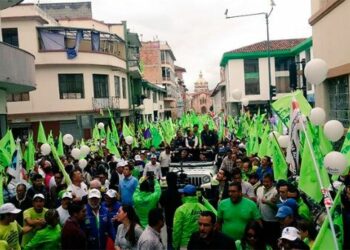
[
  {"x": 105, "y": 103},
  {"x": 17, "y": 69},
  {"x": 96, "y": 48}
]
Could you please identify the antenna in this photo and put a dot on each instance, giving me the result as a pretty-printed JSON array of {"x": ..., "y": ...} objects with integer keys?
[{"x": 226, "y": 11}]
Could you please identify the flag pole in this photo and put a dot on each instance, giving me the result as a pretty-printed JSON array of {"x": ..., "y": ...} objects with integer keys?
[{"x": 328, "y": 201}]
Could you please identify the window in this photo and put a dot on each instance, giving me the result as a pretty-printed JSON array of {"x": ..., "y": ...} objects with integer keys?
[
  {"x": 154, "y": 97},
  {"x": 71, "y": 86},
  {"x": 282, "y": 63},
  {"x": 117, "y": 86},
  {"x": 163, "y": 56},
  {"x": 338, "y": 89},
  {"x": 251, "y": 70},
  {"x": 124, "y": 87},
  {"x": 307, "y": 55},
  {"x": 282, "y": 84},
  {"x": 19, "y": 97},
  {"x": 166, "y": 74},
  {"x": 100, "y": 86},
  {"x": 10, "y": 36}
]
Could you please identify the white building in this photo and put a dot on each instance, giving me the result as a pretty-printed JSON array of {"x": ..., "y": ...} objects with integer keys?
[
  {"x": 330, "y": 21},
  {"x": 74, "y": 90},
  {"x": 218, "y": 97},
  {"x": 246, "y": 69}
]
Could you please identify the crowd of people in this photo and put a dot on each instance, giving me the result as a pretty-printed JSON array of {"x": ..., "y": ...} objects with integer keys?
[{"x": 118, "y": 203}]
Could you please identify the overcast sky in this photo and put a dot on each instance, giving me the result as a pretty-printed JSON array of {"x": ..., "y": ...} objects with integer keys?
[{"x": 197, "y": 30}]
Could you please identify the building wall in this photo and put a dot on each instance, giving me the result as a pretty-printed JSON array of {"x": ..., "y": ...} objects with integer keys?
[
  {"x": 217, "y": 102},
  {"x": 331, "y": 39},
  {"x": 46, "y": 99},
  {"x": 197, "y": 106},
  {"x": 150, "y": 56}
]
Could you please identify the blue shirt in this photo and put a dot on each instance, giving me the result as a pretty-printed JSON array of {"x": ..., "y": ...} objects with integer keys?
[
  {"x": 111, "y": 213},
  {"x": 127, "y": 189},
  {"x": 262, "y": 171}
]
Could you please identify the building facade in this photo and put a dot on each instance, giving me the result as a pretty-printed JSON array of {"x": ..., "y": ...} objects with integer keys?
[
  {"x": 218, "y": 97},
  {"x": 181, "y": 103},
  {"x": 330, "y": 23},
  {"x": 201, "y": 101},
  {"x": 157, "y": 60},
  {"x": 246, "y": 69},
  {"x": 17, "y": 68},
  {"x": 82, "y": 70}
]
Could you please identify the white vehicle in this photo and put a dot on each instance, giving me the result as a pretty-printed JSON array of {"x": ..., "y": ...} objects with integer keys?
[{"x": 197, "y": 173}]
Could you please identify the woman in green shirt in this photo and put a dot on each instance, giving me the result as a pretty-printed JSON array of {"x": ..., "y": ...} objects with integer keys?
[{"x": 48, "y": 238}]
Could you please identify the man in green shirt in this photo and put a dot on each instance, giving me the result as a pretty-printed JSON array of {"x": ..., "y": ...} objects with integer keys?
[
  {"x": 49, "y": 237},
  {"x": 236, "y": 212},
  {"x": 10, "y": 230},
  {"x": 34, "y": 217}
]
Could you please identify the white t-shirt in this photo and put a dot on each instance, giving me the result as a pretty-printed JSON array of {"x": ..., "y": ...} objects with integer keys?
[
  {"x": 268, "y": 213},
  {"x": 164, "y": 159},
  {"x": 78, "y": 191},
  {"x": 247, "y": 189},
  {"x": 64, "y": 215},
  {"x": 155, "y": 168}
]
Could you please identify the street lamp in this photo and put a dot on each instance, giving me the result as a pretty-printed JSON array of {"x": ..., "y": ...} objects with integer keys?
[{"x": 267, "y": 15}]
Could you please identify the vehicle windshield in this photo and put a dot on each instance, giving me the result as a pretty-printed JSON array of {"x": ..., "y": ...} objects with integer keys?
[{"x": 186, "y": 155}]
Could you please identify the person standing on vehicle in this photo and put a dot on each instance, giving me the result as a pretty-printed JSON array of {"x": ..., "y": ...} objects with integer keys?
[
  {"x": 153, "y": 166},
  {"x": 165, "y": 160},
  {"x": 208, "y": 137},
  {"x": 186, "y": 217}
]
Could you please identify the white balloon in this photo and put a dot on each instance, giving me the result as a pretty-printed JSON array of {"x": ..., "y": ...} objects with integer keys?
[
  {"x": 245, "y": 101},
  {"x": 283, "y": 141},
  {"x": 129, "y": 139},
  {"x": 335, "y": 163},
  {"x": 45, "y": 149},
  {"x": 75, "y": 153},
  {"x": 237, "y": 94},
  {"x": 333, "y": 130},
  {"x": 318, "y": 116},
  {"x": 84, "y": 150},
  {"x": 316, "y": 71},
  {"x": 82, "y": 163},
  {"x": 100, "y": 125},
  {"x": 272, "y": 137},
  {"x": 68, "y": 139}
]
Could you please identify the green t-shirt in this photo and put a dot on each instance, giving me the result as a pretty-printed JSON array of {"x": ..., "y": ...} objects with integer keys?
[
  {"x": 31, "y": 214},
  {"x": 10, "y": 234},
  {"x": 235, "y": 217},
  {"x": 45, "y": 239}
]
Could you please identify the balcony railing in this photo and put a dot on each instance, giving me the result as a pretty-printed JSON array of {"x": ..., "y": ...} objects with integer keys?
[{"x": 106, "y": 103}]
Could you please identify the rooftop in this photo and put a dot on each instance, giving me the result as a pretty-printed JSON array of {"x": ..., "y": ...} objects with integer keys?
[
  {"x": 278, "y": 48},
  {"x": 274, "y": 45}
]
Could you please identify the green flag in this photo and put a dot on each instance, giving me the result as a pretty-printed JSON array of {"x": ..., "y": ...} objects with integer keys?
[
  {"x": 156, "y": 137},
  {"x": 114, "y": 128},
  {"x": 324, "y": 239},
  {"x": 282, "y": 105},
  {"x": 263, "y": 149},
  {"x": 1, "y": 189},
  {"x": 325, "y": 144},
  {"x": 96, "y": 133},
  {"x": 60, "y": 150},
  {"x": 6, "y": 149},
  {"x": 110, "y": 144},
  {"x": 126, "y": 130},
  {"x": 41, "y": 134},
  {"x": 29, "y": 154},
  {"x": 280, "y": 166},
  {"x": 60, "y": 164},
  {"x": 103, "y": 133},
  {"x": 308, "y": 181},
  {"x": 50, "y": 139}
]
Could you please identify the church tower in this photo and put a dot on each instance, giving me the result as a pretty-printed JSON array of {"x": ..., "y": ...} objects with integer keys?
[{"x": 201, "y": 85}]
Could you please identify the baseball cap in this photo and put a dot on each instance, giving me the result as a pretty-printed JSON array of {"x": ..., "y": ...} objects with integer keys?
[
  {"x": 122, "y": 164},
  {"x": 283, "y": 212},
  {"x": 153, "y": 156},
  {"x": 9, "y": 208},
  {"x": 67, "y": 195},
  {"x": 290, "y": 233},
  {"x": 39, "y": 196},
  {"x": 290, "y": 202},
  {"x": 138, "y": 158},
  {"x": 94, "y": 193},
  {"x": 111, "y": 193},
  {"x": 188, "y": 189}
]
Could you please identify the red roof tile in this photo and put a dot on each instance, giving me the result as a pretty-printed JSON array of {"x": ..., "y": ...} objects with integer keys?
[{"x": 274, "y": 45}]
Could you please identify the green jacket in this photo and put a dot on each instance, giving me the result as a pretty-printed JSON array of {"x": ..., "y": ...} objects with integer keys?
[
  {"x": 145, "y": 201},
  {"x": 47, "y": 238},
  {"x": 186, "y": 221}
]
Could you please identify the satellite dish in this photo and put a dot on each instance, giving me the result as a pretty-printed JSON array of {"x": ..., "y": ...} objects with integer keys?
[{"x": 4, "y": 4}]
